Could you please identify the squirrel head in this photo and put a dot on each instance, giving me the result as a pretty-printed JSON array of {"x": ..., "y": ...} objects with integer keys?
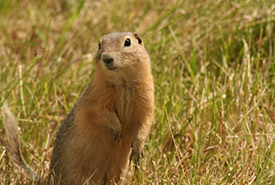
[{"x": 122, "y": 54}]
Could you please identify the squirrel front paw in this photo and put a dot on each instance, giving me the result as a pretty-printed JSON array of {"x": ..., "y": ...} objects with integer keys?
[
  {"x": 136, "y": 155},
  {"x": 116, "y": 134}
]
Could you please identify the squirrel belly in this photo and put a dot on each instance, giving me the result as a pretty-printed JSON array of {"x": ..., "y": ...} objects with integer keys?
[
  {"x": 109, "y": 122},
  {"x": 114, "y": 113}
]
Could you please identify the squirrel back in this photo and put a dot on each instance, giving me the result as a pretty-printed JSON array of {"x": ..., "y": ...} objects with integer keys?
[{"x": 109, "y": 122}]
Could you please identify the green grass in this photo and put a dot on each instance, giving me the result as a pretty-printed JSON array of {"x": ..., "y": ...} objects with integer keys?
[{"x": 214, "y": 69}]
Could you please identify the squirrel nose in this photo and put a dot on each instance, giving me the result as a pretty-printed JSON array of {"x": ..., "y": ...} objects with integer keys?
[{"x": 107, "y": 58}]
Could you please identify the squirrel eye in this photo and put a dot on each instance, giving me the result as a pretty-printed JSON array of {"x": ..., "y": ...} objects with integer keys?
[
  {"x": 127, "y": 42},
  {"x": 99, "y": 46}
]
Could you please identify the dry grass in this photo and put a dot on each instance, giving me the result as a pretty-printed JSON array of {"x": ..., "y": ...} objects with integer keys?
[{"x": 214, "y": 68}]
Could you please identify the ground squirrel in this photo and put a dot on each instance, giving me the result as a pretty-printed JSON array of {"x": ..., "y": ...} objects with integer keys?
[{"x": 112, "y": 115}]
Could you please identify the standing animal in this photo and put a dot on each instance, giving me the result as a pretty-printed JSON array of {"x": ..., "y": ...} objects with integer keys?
[{"x": 111, "y": 119}]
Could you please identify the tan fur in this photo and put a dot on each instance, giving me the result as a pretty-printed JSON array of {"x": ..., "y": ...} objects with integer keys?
[
  {"x": 114, "y": 112},
  {"x": 12, "y": 144}
]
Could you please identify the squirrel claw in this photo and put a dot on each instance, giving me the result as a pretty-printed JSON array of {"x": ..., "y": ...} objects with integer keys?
[
  {"x": 136, "y": 156},
  {"x": 116, "y": 135}
]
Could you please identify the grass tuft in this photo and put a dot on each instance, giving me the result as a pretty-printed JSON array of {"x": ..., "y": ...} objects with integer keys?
[{"x": 214, "y": 68}]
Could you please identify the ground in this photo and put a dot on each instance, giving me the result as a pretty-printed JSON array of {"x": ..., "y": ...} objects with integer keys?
[{"x": 213, "y": 63}]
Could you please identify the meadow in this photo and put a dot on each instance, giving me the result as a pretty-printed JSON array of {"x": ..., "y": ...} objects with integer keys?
[{"x": 213, "y": 63}]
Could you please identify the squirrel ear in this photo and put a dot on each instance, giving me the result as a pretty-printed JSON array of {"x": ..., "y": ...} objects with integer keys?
[{"x": 138, "y": 38}]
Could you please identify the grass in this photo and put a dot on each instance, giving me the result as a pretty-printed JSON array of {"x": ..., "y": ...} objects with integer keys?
[{"x": 214, "y": 67}]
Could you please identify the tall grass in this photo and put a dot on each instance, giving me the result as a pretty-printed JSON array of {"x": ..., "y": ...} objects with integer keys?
[{"x": 214, "y": 68}]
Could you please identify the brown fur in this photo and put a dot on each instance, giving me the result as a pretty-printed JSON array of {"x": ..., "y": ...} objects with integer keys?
[
  {"x": 114, "y": 112},
  {"x": 12, "y": 144}
]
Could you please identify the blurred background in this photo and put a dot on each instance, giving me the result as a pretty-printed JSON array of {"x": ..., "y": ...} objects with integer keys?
[{"x": 213, "y": 63}]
